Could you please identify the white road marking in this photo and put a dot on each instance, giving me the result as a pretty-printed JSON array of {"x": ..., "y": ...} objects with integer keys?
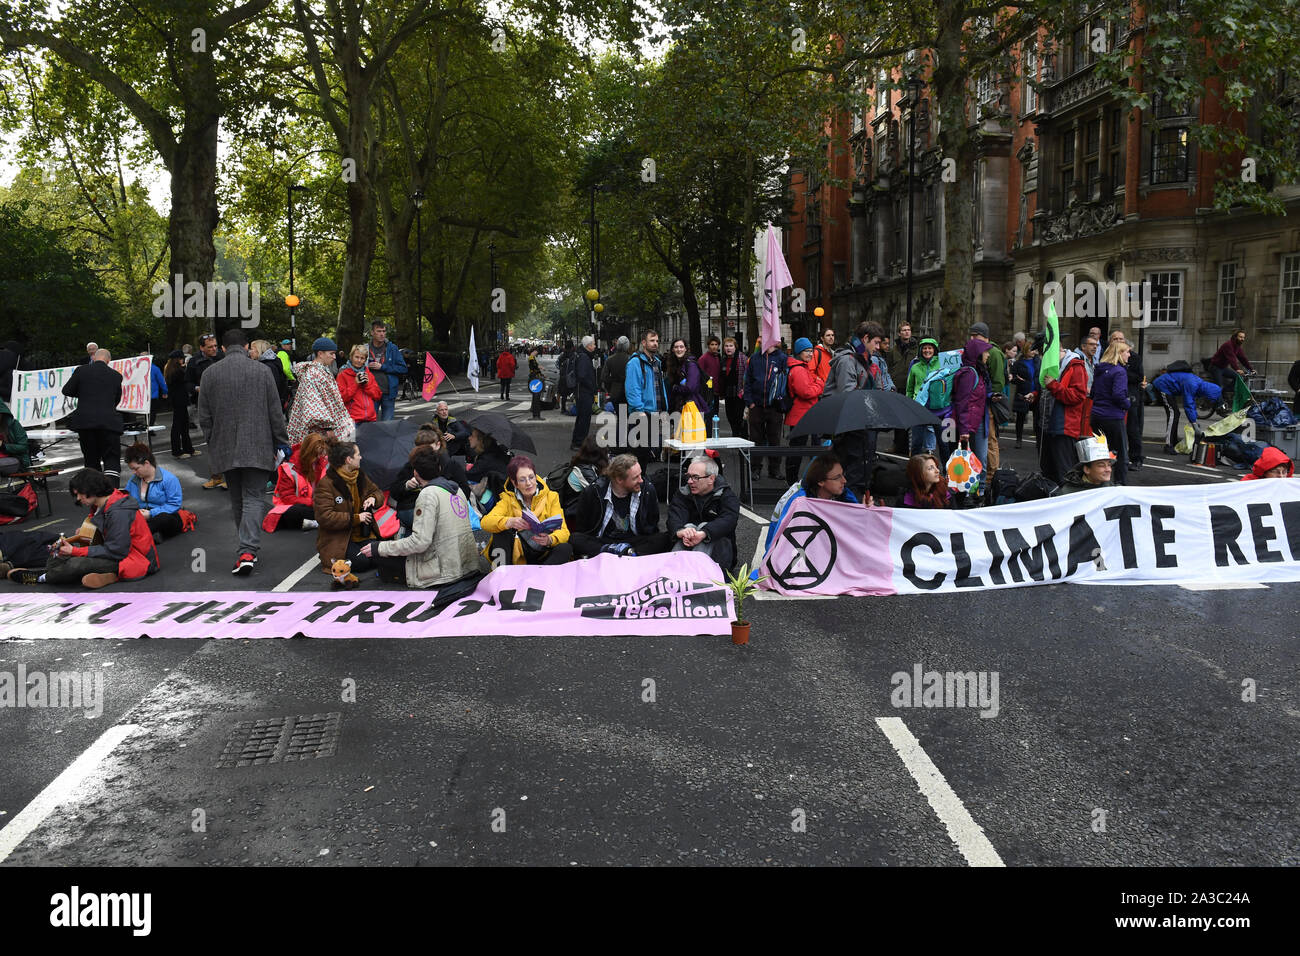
[
  {"x": 962, "y": 828},
  {"x": 485, "y": 406},
  {"x": 521, "y": 407},
  {"x": 45, "y": 524},
  {"x": 751, "y": 516},
  {"x": 1223, "y": 586},
  {"x": 60, "y": 789},
  {"x": 296, "y": 576},
  {"x": 1183, "y": 471}
]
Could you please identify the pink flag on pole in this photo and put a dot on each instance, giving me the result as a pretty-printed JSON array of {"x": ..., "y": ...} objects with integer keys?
[
  {"x": 776, "y": 278},
  {"x": 433, "y": 376}
]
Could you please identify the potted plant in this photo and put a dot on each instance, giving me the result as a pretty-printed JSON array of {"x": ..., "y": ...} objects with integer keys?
[{"x": 741, "y": 585}]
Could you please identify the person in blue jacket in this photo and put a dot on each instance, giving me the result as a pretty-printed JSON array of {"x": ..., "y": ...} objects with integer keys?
[
  {"x": 1173, "y": 386},
  {"x": 647, "y": 392},
  {"x": 157, "y": 492},
  {"x": 385, "y": 358},
  {"x": 825, "y": 478},
  {"x": 157, "y": 387}
]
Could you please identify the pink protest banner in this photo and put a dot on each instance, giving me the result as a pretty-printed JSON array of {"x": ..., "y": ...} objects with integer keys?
[
  {"x": 669, "y": 594},
  {"x": 1181, "y": 534}
]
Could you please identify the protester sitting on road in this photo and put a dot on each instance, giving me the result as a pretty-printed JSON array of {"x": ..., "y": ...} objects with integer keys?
[
  {"x": 157, "y": 493},
  {"x": 525, "y": 491},
  {"x": 295, "y": 486},
  {"x": 702, "y": 516},
  {"x": 928, "y": 483},
  {"x": 825, "y": 479},
  {"x": 405, "y": 489},
  {"x": 1093, "y": 470},
  {"x": 318, "y": 406},
  {"x": 114, "y": 542},
  {"x": 15, "y": 450},
  {"x": 1272, "y": 463},
  {"x": 455, "y": 433},
  {"x": 586, "y": 466},
  {"x": 357, "y": 385},
  {"x": 489, "y": 460},
  {"x": 1184, "y": 387},
  {"x": 345, "y": 502},
  {"x": 618, "y": 514},
  {"x": 1111, "y": 402},
  {"x": 440, "y": 550}
]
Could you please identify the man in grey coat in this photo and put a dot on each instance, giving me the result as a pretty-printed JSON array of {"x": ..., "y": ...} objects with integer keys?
[{"x": 240, "y": 413}]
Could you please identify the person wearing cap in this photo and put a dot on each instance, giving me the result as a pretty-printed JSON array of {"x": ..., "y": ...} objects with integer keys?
[
  {"x": 286, "y": 361},
  {"x": 585, "y": 368},
  {"x": 1173, "y": 387},
  {"x": 924, "y": 437},
  {"x": 1093, "y": 470},
  {"x": 804, "y": 389},
  {"x": 1271, "y": 463},
  {"x": 318, "y": 406}
]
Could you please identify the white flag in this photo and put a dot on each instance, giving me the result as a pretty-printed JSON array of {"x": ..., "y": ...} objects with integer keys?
[{"x": 473, "y": 360}]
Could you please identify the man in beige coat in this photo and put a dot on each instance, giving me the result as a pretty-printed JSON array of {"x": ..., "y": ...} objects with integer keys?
[{"x": 441, "y": 548}]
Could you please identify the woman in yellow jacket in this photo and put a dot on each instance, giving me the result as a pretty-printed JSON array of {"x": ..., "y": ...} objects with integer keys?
[{"x": 524, "y": 490}]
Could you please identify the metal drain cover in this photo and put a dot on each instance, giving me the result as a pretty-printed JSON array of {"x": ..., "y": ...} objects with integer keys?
[{"x": 281, "y": 739}]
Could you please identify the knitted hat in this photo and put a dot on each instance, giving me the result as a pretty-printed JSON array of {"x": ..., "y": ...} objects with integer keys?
[
  {"x": 323, "y": 344},
  {"x": 801, "y": 344}
]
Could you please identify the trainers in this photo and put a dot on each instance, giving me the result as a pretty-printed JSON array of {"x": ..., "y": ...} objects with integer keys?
[
  {"x": 98, "y": 580},
  {"x": 183, "y": 454},
  {"x": 310, "y": 524},
  {"x": 195, "y": 454},
  {"x": 25, "y": 576},
  {"x": 216, "y": 481},
  {"x": 244, "y": 564}
]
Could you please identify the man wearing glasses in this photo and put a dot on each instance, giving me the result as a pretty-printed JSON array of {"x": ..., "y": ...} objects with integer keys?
[{"x": 702, "y": 516}]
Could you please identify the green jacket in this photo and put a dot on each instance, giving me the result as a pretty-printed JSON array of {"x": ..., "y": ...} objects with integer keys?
[
  {"x": 14, "y": 437},
  {"x": 287, "y": 364},
  {"x": 916, "y": 375},
  {"x": 998, "y": 369}
]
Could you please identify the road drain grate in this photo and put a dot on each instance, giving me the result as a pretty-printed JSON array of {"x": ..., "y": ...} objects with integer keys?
[{"x": 281, "y": 739}]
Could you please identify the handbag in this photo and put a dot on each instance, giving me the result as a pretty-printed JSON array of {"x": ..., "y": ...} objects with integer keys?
[
  {"x": 690, "y": 427},
  {"x": 964, "y": 470},
  {"x": 1000, "y": 409}
]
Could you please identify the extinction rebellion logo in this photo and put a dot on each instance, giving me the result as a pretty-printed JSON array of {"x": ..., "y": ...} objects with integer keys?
[{"x": 663, "y": 598}]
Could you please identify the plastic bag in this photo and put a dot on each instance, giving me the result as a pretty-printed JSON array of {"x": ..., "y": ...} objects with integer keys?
[
  {"x": 690, "y": 428},
  {"x": 1184, "y": 447},
  {"x": 964, "y": 470}
]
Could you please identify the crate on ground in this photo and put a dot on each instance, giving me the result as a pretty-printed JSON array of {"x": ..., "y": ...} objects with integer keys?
[{"x": 1287, "y": 439}]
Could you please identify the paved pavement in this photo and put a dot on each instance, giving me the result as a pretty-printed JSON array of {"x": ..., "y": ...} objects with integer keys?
[{"x": 1121, "y": 735}]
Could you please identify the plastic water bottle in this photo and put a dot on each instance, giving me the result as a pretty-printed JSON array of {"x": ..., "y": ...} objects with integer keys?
[{"x": 715, "y": 426}]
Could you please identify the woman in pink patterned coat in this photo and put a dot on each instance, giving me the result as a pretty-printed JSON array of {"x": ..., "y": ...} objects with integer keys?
[{"x": 318, "y": 405}]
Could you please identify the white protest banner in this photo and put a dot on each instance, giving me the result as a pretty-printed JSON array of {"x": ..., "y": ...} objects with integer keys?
[
  {"x": 1248, "y": 531},
  {"x": 37, "y": 397}
]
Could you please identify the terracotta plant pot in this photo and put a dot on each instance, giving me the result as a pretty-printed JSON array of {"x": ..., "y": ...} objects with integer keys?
[{"x": 740, "y": 632}]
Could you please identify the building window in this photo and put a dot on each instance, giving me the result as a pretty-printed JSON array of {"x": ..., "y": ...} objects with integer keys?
[
  {"x": 1115, "y": 162},
  {"x": 1169, "y": 155},
  {"x": 1166, "y": 297},
  {"x": 977, "y": 197},
  {"x": 1289, "y": 299},
  {"x": 882, "y": 95},
  {"x": 1227, "y": 300},
  {"x": 1066, "y": 168},
  {"x": 814, "y": 265},
  {"x": 899, "y": 249},
  {"x": 984, "y": 88},
  {"x": 1030, "y": 100},
  {"x": 929, "y": 239}
]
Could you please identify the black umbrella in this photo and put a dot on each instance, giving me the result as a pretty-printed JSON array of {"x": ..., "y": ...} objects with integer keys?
[
  {"x": 505, "y": 432},
  {"x": 385, "y": 448},
  {"x": 862, "y": 409}
]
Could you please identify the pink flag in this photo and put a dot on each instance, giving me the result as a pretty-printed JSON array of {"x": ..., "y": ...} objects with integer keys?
[
  {"x": 777, "y": 277},
  {"x": 433, "y": 376}
]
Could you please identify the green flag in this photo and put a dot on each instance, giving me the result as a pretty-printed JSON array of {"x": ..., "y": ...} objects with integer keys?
[
  {"x": 1241, "y": 397},
  {"x": 1051, "y": 364}
]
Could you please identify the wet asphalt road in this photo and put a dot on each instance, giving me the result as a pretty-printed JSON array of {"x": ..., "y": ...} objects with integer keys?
[{"x": 493, "y": 750}]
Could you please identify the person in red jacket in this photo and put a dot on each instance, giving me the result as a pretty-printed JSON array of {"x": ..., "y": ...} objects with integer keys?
[
  {"x": 1068, "y": 417},
  {"x": 295, "y": 484},
  {"x": 125, "y": 550},
  {"x": 506, "y": 372},
  {"x": 358, "y": 387},
  {"x": 1272, "y": 463},
  {"x": 804, "y": 388}
]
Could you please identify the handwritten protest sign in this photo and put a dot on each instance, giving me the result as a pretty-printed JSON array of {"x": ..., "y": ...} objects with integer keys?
[{"x": 37, "y": 397}]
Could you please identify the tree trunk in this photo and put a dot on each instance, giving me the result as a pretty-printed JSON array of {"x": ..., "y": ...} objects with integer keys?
[
  {"x": 949, "y": 82},
  {"x": 193, "y": 215}
]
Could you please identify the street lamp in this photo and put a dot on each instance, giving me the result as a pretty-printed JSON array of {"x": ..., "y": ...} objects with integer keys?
[
  {"x": 418, "y": 198},
  {"x": 913, "y": 84},
  {"x": 291, "y": 300}
]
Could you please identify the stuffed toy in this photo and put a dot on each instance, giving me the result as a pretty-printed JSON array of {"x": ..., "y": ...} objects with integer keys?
[{"x": 342, "y": 574}]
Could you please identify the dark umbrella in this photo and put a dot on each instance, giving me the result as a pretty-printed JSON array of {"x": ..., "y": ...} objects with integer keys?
[
  {"x": 505, "y": 432},
  {"x": 385, "y": 448},
  {"x": 862, "y": 409}
]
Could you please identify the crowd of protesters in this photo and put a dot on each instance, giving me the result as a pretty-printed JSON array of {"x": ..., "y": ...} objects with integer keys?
[{"x": 464, "y": 501}]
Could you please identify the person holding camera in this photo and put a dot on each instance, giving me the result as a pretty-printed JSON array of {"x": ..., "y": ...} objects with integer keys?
[
  {"x": 357, "y": 385},
  {"x": 347, "y": 505}
]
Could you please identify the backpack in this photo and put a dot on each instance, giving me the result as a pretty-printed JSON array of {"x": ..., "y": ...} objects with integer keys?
[
  {"x": 779, "y": 388},
  {"x": 16, "y": 507},
  {"x": 936, "y": 388},
  {"x": 571, "y": 373}
]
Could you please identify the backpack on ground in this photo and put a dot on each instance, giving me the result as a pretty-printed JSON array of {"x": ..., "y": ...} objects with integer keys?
[
  {"x": 1002, "y": 489},
  {"x": 17, "y": 506},
  {"x": 1035, "y": 488}
]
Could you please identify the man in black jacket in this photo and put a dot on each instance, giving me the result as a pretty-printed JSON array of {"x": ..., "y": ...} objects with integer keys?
[
  {"x": 1293, "y": 379},
  {"x": 97, "y": 387},
  {"x": 1136, "y": 386},
  {"x": 617, "y": 514},
  {"x": 208, "y": 355},
  {"x": 586, "y": 372},
  {"x": 614, "y": 374},
  {"x": 703, "y": 515}
]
